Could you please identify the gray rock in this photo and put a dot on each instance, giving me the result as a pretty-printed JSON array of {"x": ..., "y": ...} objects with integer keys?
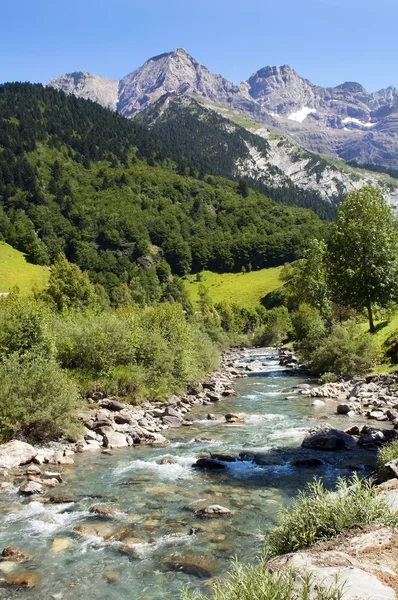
[
  {"x": 16, "y": 453},
  {"x": 115, "y": 440},
  {"x": 30, "y": 488},
  {"x": 327, "y": 438},
  {"x": 173, "y": 422}
]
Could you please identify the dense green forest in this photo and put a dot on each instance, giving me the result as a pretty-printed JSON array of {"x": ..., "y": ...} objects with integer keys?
[
  {"x": 201, "y": 138},
  {"x": 76, "y": 178}
]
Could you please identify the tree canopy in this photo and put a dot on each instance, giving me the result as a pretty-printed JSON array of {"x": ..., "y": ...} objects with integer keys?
[{"x": 363, "y": 252}]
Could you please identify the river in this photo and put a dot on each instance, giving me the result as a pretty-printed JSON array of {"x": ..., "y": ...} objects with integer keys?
[{"x": 149, "y": 489}]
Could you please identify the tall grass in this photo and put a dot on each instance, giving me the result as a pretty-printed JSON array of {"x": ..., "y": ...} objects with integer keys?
[
  {"x": 254, "y": 583},
  {"x": 318, "y": 515}
]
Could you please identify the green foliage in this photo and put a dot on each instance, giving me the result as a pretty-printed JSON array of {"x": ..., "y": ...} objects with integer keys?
[
  {"x": 385, "y": 454},
  {"x": 253, "y": 582},
  {"x": 38, "y": 399},
  {"x": 306, "y": 280},
  {"x": 80, "y": 180},
  {"x": 308, "y": 330},
  {"x": 363, "y": 252},
  {"x": 201, "y": 140},
  {"x": 276, "y": 328},
  {"x": 24, "y": 327},
  {"x": 318, "y": 515},
  {"x": 138, "y": 353},
  {"x": 69, "y": 288},
  {"x": 346, "y": 352}
]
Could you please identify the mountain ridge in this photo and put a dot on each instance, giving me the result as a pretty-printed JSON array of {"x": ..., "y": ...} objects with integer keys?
[{"x": 343, "y": 121}]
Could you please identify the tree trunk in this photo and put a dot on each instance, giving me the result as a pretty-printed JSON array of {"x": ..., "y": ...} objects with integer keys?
[{"x": 370, "y": 318}]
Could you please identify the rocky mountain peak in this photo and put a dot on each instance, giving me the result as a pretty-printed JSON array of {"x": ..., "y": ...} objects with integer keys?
[
  {"x": 88, "y": 86},
  {"x": 175, "y": 71},
  {"x": 351, "y": 87}
]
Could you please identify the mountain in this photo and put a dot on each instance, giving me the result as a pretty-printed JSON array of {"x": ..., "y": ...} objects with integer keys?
[
  {"x": 345, "y": 121},
  {"x": 91, "y": 87},
  {"x": 81, "y": 180},
  {"x": 214, "y": 140}
]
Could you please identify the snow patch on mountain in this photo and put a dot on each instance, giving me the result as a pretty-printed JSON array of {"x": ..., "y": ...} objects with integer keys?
[{"x": 301, "y": 114}]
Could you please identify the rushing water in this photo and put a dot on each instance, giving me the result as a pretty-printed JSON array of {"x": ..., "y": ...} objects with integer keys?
[{"x": 150, "y": 495}]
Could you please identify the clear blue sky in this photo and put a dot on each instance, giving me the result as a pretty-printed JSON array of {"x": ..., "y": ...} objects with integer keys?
[{"x": 326, "y": 41}]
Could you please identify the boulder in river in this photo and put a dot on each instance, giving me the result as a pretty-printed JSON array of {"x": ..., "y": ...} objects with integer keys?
[
  {"x": 199, "y": 565},
  {"x": 115, "y": 440},
  {"x": 208, "y": 463},
  {"x": 30, "y": 488},
  {"x": 16, "y": 453},
  {"x": 328, "y": 438},
  {"x": 214, "y": 510},
  {"x": 15, "y": 554},
  {"x": 26, "y": 579},
  {"x": 231, "y": 418}
]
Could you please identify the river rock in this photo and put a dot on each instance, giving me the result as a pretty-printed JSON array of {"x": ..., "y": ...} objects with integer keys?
[
  {"x": 33, "y": 470},
  {"x": 112, "y": 404},
  {"x": 16, "y": 453},
  {"x": 115, "y": 440},
  {"x": 15, "y": 554},
  {"x": 104, "y": 510},
  {"x": 44, "y": 482},
  {"x": 318, "y": 403},
  {"x": 214, "y": 510},
  {"x": 328, "y": 438},
  {"x": 199, "y": 565},
  {"x": 102, "y": 530},
  {"x": 343, "y": 409},
  {"x": 61, "y": 544},
  {"x": 173, "y": 422},
  {"x": 208, "y": 463},
  {"x": 26, "y": 579},
  {"x": 231, "y": 418},
  {"x": 30, "y": 488}
]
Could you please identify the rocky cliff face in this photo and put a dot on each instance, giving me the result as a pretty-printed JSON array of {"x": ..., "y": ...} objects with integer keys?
[
  {"x": 91, "y": 87},
  {"x": 257, "y": 154},
  {"x": 344, "y": 121}
]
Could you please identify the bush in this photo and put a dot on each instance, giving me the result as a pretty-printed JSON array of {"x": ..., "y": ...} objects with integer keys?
[
  {"x": 254, "y": 583},
  {"x": 276, "y": 329},
  {"x": 385, "y": 454},
  {"x": 346, "y": 352},
  {"x": 308, "y": 330},
  {"x": 24, "y": 327},
  {"x": 37, "y": 399},
  {"x": 318, "y": 515}
]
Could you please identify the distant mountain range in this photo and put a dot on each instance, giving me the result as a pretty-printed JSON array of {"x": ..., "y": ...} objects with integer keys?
[
  {"x": 291, "y": 122},
  {"x": 344, "y": 121}
]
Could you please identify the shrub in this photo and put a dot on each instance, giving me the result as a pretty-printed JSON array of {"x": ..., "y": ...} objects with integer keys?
[
  {"x": 24, "y": 327},
  {"x": 308, "y": 330},
  {"x": 385, "y": 454},
  {"x": 254, "y": 583},
  {"x": 318, "y": 515},
  {"x": 37, "y": 399},
  {"x": 346, "y": 352},
  {"x": 94, "y": 343},
  {"x": 276, "y": 329}
]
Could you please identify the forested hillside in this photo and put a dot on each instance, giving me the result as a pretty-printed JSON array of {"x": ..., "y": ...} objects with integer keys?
[
  {"x": 204, "y": 139},
  {"x": 76, "y": 178}
]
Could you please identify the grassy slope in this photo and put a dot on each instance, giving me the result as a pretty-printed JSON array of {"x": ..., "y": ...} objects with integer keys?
[
  {"x": 15, "y": 270},
  {"x": 245, "y": 289}
]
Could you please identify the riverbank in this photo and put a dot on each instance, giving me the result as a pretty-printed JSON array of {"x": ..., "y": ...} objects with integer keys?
[
  {"x": 110, "y": 424},
  {"x": 144, "y": 516}
]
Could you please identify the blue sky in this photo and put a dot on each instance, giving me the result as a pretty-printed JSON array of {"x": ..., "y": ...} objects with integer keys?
[{"x": 326, "y": 41}]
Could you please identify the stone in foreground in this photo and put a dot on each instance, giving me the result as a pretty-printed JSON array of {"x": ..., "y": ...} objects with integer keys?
[{"x": 327, "y": 438}]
